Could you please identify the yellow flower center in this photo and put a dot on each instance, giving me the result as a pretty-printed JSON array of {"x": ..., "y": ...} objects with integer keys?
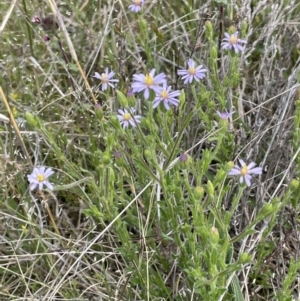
[
  {"x": 137, "y": 2},
  {"x": 233, "y": 39},
  {"x": 104, "y": 78},
  {"x": 149, "y": 80},
  {"x": 127, "y": 116},
  {"x": 244, "y": 170},
  {"x": 40, "y": 178},
  {"x": 192, "y": 71},
  {"x": 164, "y": 94}
]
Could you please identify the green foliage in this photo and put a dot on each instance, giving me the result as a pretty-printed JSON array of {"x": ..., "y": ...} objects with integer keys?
[{"x": 147, "y": 212}]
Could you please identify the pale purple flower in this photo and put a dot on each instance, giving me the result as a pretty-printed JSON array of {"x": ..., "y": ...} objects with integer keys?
[
  {"x": 244, "y": 171},
  {"x": 46, "y": 38},
  {"x": 39, "y": 178},
  {"x": 136, "y": 6},
  {"x": 192, "y": 72},
  {"x": 225, "y": 115},
  {"x": 127, "y": 117},
  {"x": 106, "y": 79},
  {"x": 146, "y": 82},
  {"x": 232, "y": 41},
  {"x": 36, "y": 19},
  {"x": 183, "y": 157},
  {"x": 130, "y": 93},
  {"x": 166, "y": 97}
]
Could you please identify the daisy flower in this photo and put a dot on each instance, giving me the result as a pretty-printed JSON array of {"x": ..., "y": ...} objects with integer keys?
[
  {"x": 136, "y": 6},
  {"x": 245, "y": 171},
  {"x": 39, "y": 178},
  {"x": 192, "y": 72},
  {"x": 146, "y": 82},
  {"x": 166, "y": 97},
  {"x": 233, "y": 42},
  {"x": 125, "y": 118},
  {"x": 225, "y": 115},
  {"x": 106, "y": 79}
]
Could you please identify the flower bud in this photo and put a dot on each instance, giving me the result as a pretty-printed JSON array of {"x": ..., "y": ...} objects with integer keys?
[
  {"x": 15, "y": 112},
  {"x": 147, "y": 154},
  {"x": 214, "y": 52},
  {"x": 221, "y": 175},
  {"x": 119, "y": 158},
  {"x": 106, "y": 158},
  {"x": 122, "y": 99},
  {"x": 198, "y": 192},
  {"x": 229, "y": 165},
  {"x": 99, "y": 111},
  {"x": 245, "y": 258},
  {"x": 209, "y": 30},
  {"x": 31, "y": 119},
  {"x": 208, "y": 26},
  {"x": 185, "y": 160},
  {"x": 214, "y": 235},
  {"x": 182, "y": 97},
  {"x": 294, "y": 185},
  {"x": 115, "y": 121},
  {"x": 232, "y": 29},
  {"x": 210, "y": 189},
  {"x": 267, "y": 210},
  {"x": 244, "y": 28},
  {"x": 211, "y": 104},
  {"x": 131, "y": 100}
]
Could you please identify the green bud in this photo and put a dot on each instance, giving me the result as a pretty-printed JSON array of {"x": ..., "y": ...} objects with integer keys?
[
  {"x": 131, "y": 101},
  {"x": 294, "y": 185},
  {"x": 182, "y": 97},
  {"x": 211, "y": 104},
  {"x": 115, "y": 121},
  {"x": 229, "y": 165},
  {"x": 119, "y": 160},
  {"x": 106, "y": 158},
  {"x": 245, "y": 258},
  {"x": 31, "y": 119},
  {"x": 208, "y": 25},
  {"x": 214, "y": 235},
  {"x": 232, "y": 30},
  {"x": 209, "y": 29},
  {"x": 99, "y": 111},
  {"x": 210, "y": 188},
  {"x": 244, "y": 28},
  {"x": 267, "y": 210},
  {"x": 198, "y": 192},
  {"x": 221, "y": 175},
  {"x": 146, "y": 123},
  {"x": 122, "y": 99},
  {"x": 214, "y": 52},
  {"x": 15, "y": 112},
  {"x": 147, "y": 154}
]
